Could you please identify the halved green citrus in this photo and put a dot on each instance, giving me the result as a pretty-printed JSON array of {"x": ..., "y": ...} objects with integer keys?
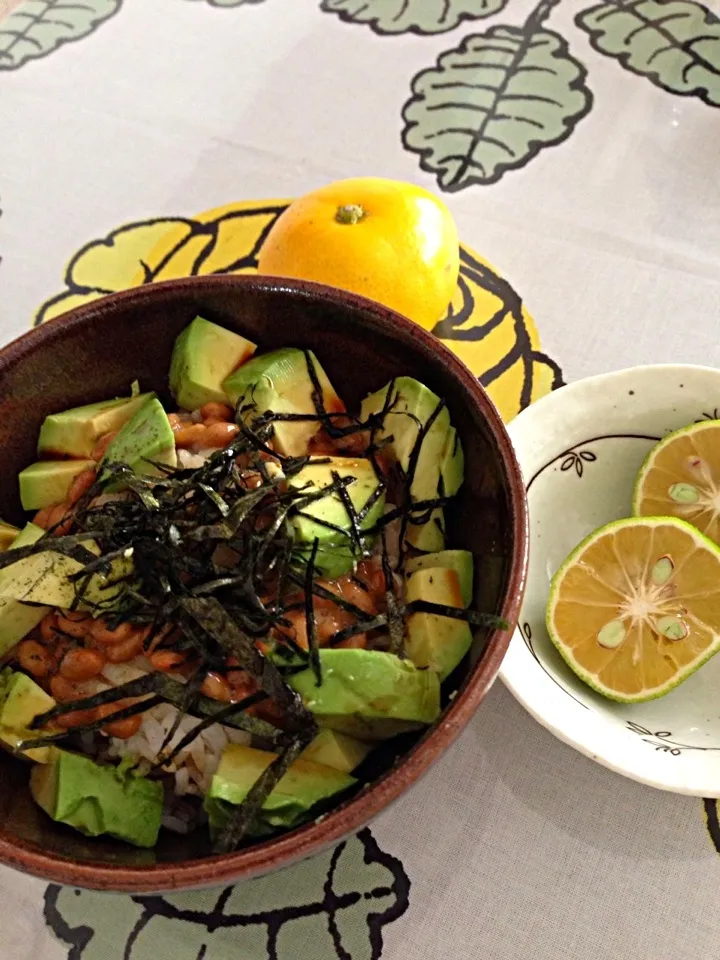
[
  {"x": 681, "y": 478},
  {"x": 635, "y": 609}
]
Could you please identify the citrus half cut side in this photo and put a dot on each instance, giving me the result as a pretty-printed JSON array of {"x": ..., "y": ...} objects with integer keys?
[
  {"x": 635, "y": 608},
  {"x": 681, "y": 478}
]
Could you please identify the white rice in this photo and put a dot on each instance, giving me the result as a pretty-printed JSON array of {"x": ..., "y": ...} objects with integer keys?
[
  {"x": 194, "y": 766},
  {"x": 191, "y": 461}
]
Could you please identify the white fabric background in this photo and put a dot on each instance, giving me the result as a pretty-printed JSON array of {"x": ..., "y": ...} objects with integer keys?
[{"x": 516, "y": 846}]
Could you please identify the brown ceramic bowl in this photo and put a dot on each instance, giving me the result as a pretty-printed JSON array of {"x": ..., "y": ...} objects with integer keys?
[{"x": 94, "y": 353}]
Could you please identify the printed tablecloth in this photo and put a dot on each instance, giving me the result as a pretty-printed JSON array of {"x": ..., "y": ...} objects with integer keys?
[{"x": 577, "y": 144}]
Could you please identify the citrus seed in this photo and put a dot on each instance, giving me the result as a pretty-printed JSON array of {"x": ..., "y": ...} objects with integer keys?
[
  {"x": 684, "y": 493},
  {"x": 662, "y": 571},
  {"x": 612, "y": 634},
  {"x": 672, "y": 628}
]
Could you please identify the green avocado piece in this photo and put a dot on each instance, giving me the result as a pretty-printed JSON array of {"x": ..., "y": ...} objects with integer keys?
[
  {"x": 319, "y": 474},
  {"x": 415, "y": 407},
  {"x": 433, "y": 641},
  {"x": 332, "y": 560},
  {"x": 95, "y": 799},
  {"x": 428, "y": 536},
  {"x": 204, "y": 355},
  {"x": 336, "y": 750},
  {"x": 8, "y": 534},
  {"x": 47, "y": 482},
  {"x": 146, "y": 436},
  {"x": 75, "y": 432},
  {"x": 280, "y": 382},
  {"x": 461, "y": 561},
  {"x": 21, "y": 700},
  {"x": 18, "y": 619},
  {"x": 369, "y": 694},
  {"x": 337, "y": 552},
  {"x": 452, "y": 468},
  {"x": 304, "y": 785},
  {"x": 46, "y": 578}
]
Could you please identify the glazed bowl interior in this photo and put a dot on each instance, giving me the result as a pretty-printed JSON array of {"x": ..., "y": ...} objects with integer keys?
[{"x": 95, "y": 353}]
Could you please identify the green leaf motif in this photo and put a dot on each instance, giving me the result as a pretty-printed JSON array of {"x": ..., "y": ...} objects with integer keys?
[
  {"x": 412, "y": 16},
  {"x": 493, "y": 103},
  {"x": 231, "y": 3},
  {"x": 331, "y": 907},
  {"x": 674, "y": 43},
  {"x": 37, "y": 27}
]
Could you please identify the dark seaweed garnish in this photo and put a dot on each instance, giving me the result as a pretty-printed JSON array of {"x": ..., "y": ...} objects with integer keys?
[
  {"x": 123, "y": 714},
  {"x": 170, "y": 691},
  {"x": 243, "y": 816},
  {"x": 223, "y": 716},
  {"x": 310, "y": 614},
  {"x": 218, "y": 625},
  {"x": 475, "y": 619}
]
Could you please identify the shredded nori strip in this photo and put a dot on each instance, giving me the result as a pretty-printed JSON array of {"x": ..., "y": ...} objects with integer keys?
[
  {"x": 133, "y": 688},
  {"x": 320, "y": 591},
  {"x": 395, "y": 620},
  {"x": 356, "y": 628},
  {"x": 170, "y": 691},
  {"x": 190, "y": 695},
  {"x": 419, "y": 440},
  {"x": 371, "y": 500},
  {"x": 472, "y": 617},
  {"x": 310, "y": 615},
  {"x": 355, "y": 532},
  {"x": 69, "y": 546},
  {"x": 244, "y": 815},
  {"x": 222, "y": 716},
  {"x": 219, "y": 625},
  {"x": 124, "y": 714}
]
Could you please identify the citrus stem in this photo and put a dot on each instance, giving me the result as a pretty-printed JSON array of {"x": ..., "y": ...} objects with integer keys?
[{"x": 350, "y": 213}]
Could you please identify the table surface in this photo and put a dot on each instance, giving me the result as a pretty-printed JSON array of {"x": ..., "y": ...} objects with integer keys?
[{"x": 577, "y": 145}]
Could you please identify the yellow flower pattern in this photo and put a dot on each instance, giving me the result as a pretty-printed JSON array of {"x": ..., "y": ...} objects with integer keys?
[{"x": 487, "y": 325}]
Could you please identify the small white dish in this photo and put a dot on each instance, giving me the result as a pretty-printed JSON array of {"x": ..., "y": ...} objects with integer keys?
[{"x": 580, "y": 449}]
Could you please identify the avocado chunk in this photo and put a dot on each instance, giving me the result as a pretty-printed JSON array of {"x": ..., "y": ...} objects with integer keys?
[
  {"x": 8, "y": 534},
  {"x": 304, "y": 785},
  {"x": 146, "y": 436},
  {"x": 369, "y": 694},
  {"x": 332, "y": 560},
  {"x": 281, "y": 382},
  {"x": 47, "y": 482},
  {"x": 203, "y": 356},
  {"x": 338, "y": 550},
  {"x": 75, "y": 432},
  {"x": 428, "y": 536},
  {"x": 21, "y": 700},
  {"x": 46, "y": 578},
  {"x": 417, "y": 419},
  {"x": 95, "y": 799},
  {"x": 433, "y": 641},
  {"x": 461, "y": 561},
  {"x": 452, "y": 468},
  {"x": 336, "y": 750},
  {"x": 18, "y": 619}
]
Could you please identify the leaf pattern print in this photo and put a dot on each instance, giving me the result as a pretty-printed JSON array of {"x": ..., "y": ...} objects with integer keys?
[
  {"x": 412, "y": 16},
  {"x": 674, "y": 43},
  {"x": 37, "y": 27},
  {"x": 491, "y": 104},
  {"x": 340, "y": 901},
  {"x": 230, "y": 3}
]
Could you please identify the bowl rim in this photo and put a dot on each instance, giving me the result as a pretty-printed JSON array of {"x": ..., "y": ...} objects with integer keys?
[
  {"x": 349, "y": 817},
  {"x": 590, "y": 738}
]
